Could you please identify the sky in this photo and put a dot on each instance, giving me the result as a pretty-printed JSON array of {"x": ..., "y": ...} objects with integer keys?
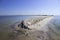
[{"x": 29, "y": 7}]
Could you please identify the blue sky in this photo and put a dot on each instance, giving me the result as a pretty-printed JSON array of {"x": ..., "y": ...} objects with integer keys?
[{"x": 29, "y": 7}]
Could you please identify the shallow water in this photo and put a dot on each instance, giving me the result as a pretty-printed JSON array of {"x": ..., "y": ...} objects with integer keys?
[{"x": 56, "y": 22}]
